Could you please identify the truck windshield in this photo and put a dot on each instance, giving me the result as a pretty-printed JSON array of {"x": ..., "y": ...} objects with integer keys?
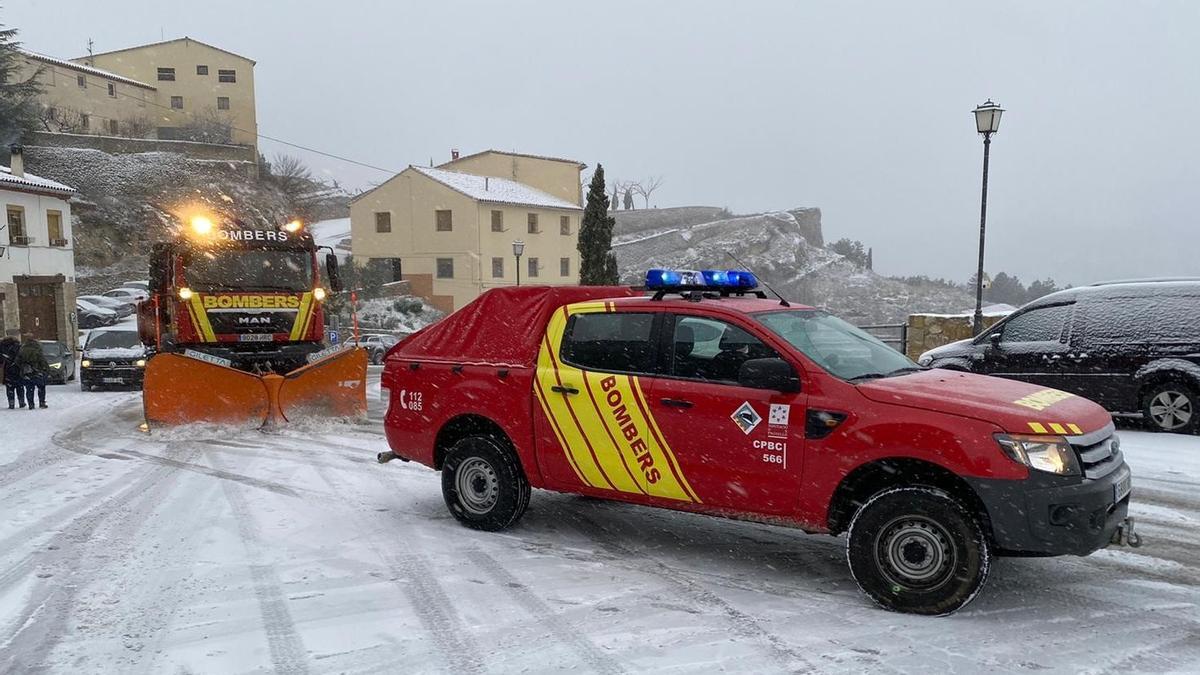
[
  {"x": 836, "y": 346},
  {"x": 242, "y": 269}
]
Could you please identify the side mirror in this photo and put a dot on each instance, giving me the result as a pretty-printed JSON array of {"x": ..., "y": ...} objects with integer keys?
[
  {"x": 331, "y": 271},
  {"x": 771, "y": 373},
  {"x": 994, "y": 340}
]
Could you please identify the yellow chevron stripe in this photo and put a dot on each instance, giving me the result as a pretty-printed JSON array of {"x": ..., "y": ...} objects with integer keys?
[
  {"x": 1037, "y": 427},
  {"x": 301, "y": 317},
  {"x": 201, "y": 318},
  {"x": 541, "y": 397},
  {"x": 1074, "y": 428},
  {"x": 1058, "y": 428},
  {"x": 608, "y": 440}
]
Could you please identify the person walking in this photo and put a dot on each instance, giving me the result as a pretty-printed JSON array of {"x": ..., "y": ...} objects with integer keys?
[
  {"x": 10, "y": 374},
  {"x": 34, "y": 369}
]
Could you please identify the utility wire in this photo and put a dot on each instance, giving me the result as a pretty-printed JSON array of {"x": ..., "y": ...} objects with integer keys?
[{"x": 256, "y": 134}]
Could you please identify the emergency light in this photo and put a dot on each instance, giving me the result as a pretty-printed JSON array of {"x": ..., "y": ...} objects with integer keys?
[{"x": 718, "y": 280}]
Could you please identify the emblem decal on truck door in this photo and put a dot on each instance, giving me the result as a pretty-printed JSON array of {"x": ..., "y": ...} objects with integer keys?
[
  {"x": 746, "y": 417},
  {"x": 777, "y": 420}
]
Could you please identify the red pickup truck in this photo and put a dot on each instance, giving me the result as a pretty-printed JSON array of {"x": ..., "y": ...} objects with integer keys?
[{"x": 706, "y": 396}]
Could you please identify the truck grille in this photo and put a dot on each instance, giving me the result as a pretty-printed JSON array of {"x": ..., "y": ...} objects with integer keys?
[
  {"x": 1100, "y": 458},
  {"x": 228, "y": 322}
]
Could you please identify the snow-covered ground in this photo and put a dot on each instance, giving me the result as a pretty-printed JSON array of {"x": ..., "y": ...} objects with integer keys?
[{"x": 213, "y": 550}]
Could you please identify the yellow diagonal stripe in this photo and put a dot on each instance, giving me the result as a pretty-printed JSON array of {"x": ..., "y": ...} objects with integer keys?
[
  {"x": 1074, "y": 428},
  {"x": 1037, "y": 427},
  {"x": 206, "y": 331},
  {"x": 1058, "y": 428},
  {"x": 301, "y": 317}
]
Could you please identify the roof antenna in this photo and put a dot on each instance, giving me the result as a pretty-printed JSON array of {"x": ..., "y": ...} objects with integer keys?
[{"x": 782, "y": 302}]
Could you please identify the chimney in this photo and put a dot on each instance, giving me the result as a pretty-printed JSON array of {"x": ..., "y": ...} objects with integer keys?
[
  {"x": 453, "y": 154},
  {"x": 16, "y": 162},
  {"x": 485, "y": 184}
]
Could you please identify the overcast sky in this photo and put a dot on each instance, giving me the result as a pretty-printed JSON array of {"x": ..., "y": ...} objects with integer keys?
[{"x": 862, "y": 109}]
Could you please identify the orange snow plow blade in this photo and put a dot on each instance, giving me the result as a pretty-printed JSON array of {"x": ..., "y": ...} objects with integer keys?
[
  {"x": 181, "y": 390},
  {"x": 335, "y": 386}
]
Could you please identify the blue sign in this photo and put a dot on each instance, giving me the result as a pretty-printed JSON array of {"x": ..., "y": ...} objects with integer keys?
[{"x": 333, "y": 337}]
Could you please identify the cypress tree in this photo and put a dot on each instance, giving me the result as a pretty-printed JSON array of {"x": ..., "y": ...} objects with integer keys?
[
  {"x": 18, "y": 109},
  {"x": 597, "y": 264}
]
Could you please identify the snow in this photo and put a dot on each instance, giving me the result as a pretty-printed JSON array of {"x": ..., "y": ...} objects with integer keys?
[
  {"x": 86, "y": 69},
  {"x": 116, "y": 353},
  {"x": 335, "y": 234},
  {"x": 496, "y": 190},
  {"x": 9, "y": 181},
  {"x": 210, "y": 549}
]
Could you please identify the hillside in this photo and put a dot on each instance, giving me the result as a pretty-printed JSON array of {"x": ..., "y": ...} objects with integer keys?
[{"x": 785, "y": 248}]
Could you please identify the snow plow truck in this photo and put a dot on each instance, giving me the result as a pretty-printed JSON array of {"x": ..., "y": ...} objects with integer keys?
[{"x": 235, "y": 323}]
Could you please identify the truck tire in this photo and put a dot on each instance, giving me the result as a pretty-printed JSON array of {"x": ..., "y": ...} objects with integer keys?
[
  {"x": 917, "y": 550},
  {"x": 1172, "y": 406},
  {"x": 483, "y": 484}
]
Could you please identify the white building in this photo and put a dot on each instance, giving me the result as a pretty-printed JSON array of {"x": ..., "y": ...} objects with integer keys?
[{"x": 37, "y": 258}]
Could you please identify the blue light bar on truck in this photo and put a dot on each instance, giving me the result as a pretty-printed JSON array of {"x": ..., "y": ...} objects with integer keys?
[{"x": 728, "y": 280}]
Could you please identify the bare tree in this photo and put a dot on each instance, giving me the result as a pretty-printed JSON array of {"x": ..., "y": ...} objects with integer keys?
[
  {"x": 207, "y": 128},
  {"x": 647, "y": 187},
  {"x": 139, "y": 126}
]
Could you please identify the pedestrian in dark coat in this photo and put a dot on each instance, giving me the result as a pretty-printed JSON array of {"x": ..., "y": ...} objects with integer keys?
[
  {"x": 34, "y": 370},
  {"x": 10, "y": 374}
]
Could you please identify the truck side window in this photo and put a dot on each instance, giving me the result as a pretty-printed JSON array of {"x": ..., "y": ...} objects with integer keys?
[
  {"x": 619, "y": 341},
  {"x": 1044, "y": 324},
  {"x": 708, "y": 349}
]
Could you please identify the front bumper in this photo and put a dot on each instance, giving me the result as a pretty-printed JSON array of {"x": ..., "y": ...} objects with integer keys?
[
  {"x": 1055, "y": 515},
  {"x": 113, "y": 377}
]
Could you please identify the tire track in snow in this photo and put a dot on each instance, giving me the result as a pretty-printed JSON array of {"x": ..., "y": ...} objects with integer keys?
[
  {"x": 426, "y": 596},
  {"x": 287, "y": 651},
  {"x": 68, "y": 566},
  {"x": 550, "y": 620},
  {"x": 743, "y": 624}
]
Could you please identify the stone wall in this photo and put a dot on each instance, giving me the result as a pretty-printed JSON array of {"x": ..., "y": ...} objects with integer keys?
[
  {"x": 115, "y": 145},
  {"x": 926, "y": 331}
]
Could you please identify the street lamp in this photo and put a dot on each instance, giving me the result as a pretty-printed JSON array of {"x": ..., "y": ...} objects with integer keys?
[
  {"x": 518, "y": 249},
  {"x": 987, "y": 122}
]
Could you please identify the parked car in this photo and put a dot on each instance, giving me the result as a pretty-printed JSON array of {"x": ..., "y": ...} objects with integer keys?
[
  {"x": 134, "y": 295},
  {"x": 93, "y": 316},
  {"x": 1133, "y": 347},
  {"x": 376, "y": 344},
  {"x": 121, "y": 307},
  {"x": 140, "y": 284},
  {"x": 112, "y": 357},
  {"x": 61, "y": 359}
]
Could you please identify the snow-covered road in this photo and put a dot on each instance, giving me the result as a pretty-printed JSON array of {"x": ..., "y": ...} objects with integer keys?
[{"x": 211, "y": 550}]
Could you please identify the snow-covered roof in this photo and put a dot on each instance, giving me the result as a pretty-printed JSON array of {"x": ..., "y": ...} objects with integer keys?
[
  {"x": 576, "y": 162},
  {"x": 86, "y": 69},
  {"x": 167, "y": 42},
  {"x": 31, "y": 183},
  {"x": 492, "y": 189}
]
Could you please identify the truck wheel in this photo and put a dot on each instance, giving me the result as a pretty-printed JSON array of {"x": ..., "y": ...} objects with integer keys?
[
  {"x": 1172, "y": 406},
  {"x": 483, "y": 484},
  {"x": 917, "y": 550}
]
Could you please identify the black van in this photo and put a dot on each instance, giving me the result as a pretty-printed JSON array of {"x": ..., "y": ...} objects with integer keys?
[{"x": 1131, "y": 346}]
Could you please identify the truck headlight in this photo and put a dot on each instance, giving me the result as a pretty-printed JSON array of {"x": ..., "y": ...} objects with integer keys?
[
  {"x": 924, "y": 360},
  {"x": 1051, "y": 454},
  {"x": 140, "y": 363},
  {"x": 56, "y": 365},
  {"x": 85, "y": 363}
]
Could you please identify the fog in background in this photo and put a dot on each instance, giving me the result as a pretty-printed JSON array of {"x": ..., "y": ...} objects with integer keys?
[{"x": 862, "y": 109}]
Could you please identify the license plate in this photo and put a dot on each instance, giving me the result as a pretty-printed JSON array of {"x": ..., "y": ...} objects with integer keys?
[
  {"x": 256, "y": 337},
  {"x": 1122, "y": 488},
  {"x": 112, "y": 380}
]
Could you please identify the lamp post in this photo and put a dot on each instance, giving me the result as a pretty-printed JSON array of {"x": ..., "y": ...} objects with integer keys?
[
  {"x": 518, "y": 249},
  {"x": 987, "y": 122}
]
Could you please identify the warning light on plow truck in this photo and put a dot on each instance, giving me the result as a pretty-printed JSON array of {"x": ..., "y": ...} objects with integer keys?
[
  {"x": 236, "y": 321},
  {"x": 706, "y": 396}
]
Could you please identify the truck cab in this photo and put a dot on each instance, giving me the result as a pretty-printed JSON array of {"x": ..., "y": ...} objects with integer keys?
[{"x": 708, "y": 397}]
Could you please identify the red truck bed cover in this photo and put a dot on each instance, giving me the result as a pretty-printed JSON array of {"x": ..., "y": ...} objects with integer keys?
[{"x": 502, "y": 327}]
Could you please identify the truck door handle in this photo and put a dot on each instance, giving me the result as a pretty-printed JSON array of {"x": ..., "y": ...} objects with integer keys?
[
  {"x": 564, "y": 390},
  {"x": 676, "y": 403}
]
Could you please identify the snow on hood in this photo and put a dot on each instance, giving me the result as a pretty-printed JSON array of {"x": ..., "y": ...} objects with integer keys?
[
  {"x": 1016, "y": 407},
  {"x": 116, "y": 352}
]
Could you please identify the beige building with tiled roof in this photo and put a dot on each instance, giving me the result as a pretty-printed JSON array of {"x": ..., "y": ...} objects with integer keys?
[
  {"x": 148, "y": 91},
  {"x": 450, "y": 230}
]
